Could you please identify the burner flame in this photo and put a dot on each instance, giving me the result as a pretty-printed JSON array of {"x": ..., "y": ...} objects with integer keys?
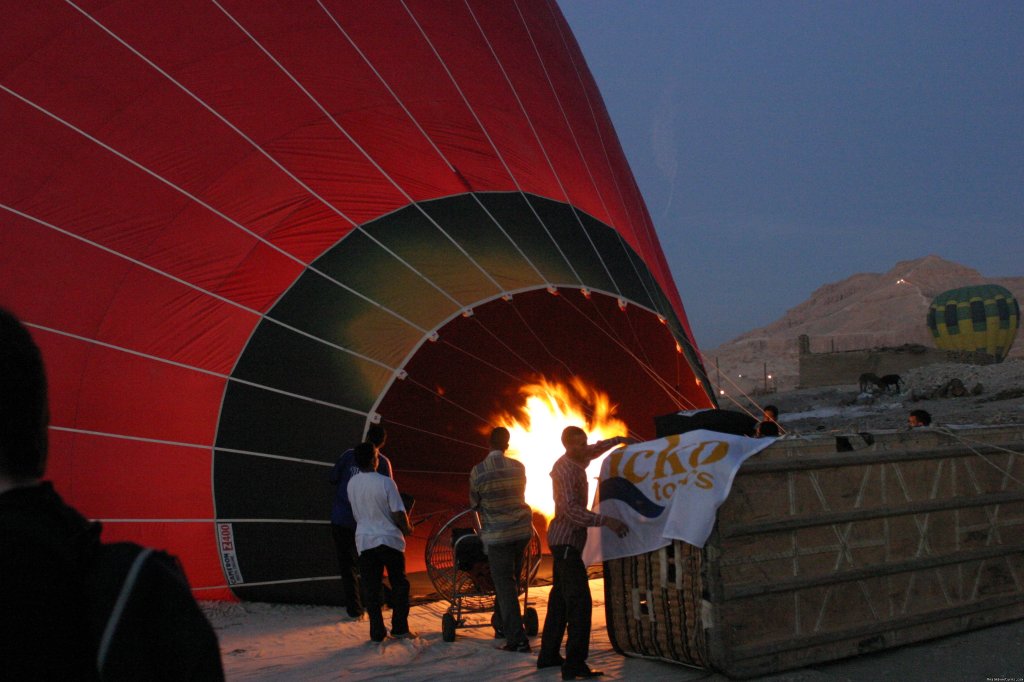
[{"x": 536, "y": 428}]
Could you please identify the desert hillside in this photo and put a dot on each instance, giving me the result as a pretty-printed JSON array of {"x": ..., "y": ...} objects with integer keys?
[{"x": 866, "y": 310}]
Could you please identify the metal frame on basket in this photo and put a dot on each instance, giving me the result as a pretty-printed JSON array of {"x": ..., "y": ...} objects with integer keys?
[{"x": 451, "y": 581}]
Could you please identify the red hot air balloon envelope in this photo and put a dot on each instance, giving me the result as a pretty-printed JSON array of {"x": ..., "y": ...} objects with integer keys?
[{"x": 243, "y": 230}]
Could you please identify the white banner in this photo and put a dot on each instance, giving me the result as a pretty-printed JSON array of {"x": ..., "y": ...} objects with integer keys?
[{"x": 666, "y": 489}]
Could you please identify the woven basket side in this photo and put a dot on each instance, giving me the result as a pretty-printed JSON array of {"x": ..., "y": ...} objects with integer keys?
[{"x": 653, "y": 604}]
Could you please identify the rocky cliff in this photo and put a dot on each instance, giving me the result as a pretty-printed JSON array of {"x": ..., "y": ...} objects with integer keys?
[{"x": 866, "y": 310}]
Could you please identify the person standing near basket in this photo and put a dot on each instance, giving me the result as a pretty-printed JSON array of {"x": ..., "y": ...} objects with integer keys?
[
  {"x": 569, "y": 603},
  {"x": 497, "y": 489}
]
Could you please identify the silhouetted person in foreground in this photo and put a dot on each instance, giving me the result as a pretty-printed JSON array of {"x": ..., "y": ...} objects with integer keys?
[{"x": 52, "y": 569}]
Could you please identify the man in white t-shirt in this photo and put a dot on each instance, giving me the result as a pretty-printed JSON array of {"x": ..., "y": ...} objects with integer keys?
[{"x": 381, "y": 527}]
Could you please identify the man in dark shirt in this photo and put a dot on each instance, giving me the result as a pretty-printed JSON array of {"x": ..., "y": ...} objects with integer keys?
[
  {"x": 43, "y": 612},
  {"x": 46, "y": 551},
  {"x": 569, "y": 603}
]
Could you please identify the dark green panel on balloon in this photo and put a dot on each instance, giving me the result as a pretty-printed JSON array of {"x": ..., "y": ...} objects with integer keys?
[
  {"x": 272, "y": 552},
  {"x": 272, "y": 488},
  {"x": 364, "y": 266},
  {"x": 488, "y": 242},
  {"x": 318, "y": 307},
  {"x": 573, "y": 239},
  {"x": 614, "y": 253},
  {"x": 257, "y": 420},
  {"x": 516, "y": 214},
  {"x": 423, "y": 244},
  {"x": 279, "y": 358}
]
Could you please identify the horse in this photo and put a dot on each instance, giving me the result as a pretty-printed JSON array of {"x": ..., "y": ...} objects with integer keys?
[
  {"x": 867, "y": 380},
  {"x": 892, "y": 381}
]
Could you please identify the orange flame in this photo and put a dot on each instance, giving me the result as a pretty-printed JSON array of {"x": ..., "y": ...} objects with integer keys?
[{"x": 548, "y": 407}]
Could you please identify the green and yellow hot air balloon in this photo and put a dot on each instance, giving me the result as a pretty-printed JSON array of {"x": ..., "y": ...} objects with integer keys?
[{"x": 980, "y": 319}]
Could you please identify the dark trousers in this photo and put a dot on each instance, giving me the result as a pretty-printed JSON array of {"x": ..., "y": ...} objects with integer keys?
[
  {"x": 506, "y": 560},
  {"x": 569, "y": 605},
  {"x": 348, "y": 564},
  {"x": 372, "y": 564}
]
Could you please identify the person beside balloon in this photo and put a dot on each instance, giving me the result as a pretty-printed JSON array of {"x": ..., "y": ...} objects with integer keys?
[
  {"x": 381, "y": 526},
  {"x": 343, "y": 523},
  {"x": 569, "y": 603},
  {"x": 497, "y": 489}
]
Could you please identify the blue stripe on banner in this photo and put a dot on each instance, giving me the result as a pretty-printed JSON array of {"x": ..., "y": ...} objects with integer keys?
[{"x": 619, "y": 488}]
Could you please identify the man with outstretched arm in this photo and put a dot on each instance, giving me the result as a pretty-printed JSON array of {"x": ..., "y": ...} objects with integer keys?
[{"x": 569, "y": 603}]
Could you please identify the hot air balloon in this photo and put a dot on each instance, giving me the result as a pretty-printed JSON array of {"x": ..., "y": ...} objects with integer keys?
[
  {"x": 243, "y": 230},
  {"x": 980, "y": 320}
]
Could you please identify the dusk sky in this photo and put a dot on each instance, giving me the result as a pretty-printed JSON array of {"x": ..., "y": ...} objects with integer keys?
[{"x": 784, "y": 145}]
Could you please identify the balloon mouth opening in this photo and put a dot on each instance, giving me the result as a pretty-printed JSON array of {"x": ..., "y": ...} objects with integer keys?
[{"x": 523, "y": 364}]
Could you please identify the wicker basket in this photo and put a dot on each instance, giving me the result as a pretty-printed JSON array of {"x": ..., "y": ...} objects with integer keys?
[
  {"x": 834, "y": 546},
  {"x": 653, "y": 604}
]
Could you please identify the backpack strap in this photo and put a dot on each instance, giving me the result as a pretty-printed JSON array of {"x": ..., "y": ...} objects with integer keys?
[{"x": 118, "y": 610}]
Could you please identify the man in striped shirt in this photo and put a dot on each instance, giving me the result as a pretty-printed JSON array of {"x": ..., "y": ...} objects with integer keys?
[
  {"x": 497, "y": 489},
  {"x": 569, "y": 603}
]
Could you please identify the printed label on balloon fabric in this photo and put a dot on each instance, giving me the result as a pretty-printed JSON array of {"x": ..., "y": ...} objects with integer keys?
[{"x": 228, "y": 558}]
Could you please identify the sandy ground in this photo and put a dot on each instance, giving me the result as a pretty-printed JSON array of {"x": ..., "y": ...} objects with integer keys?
[{"x": 288, "y": 642}]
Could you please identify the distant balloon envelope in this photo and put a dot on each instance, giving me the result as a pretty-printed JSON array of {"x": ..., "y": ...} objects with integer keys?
[
  {"x": 979, "y": 319},
  {"x": 242, "y": 231}
]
